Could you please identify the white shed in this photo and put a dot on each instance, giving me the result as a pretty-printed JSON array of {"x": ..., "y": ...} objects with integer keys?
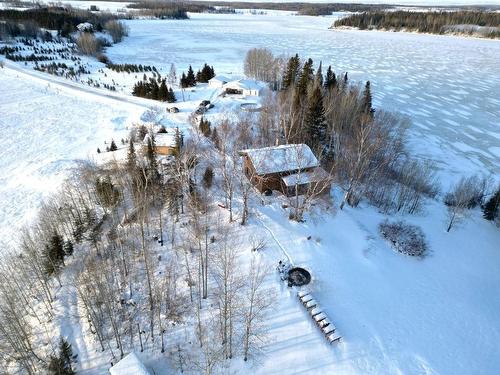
[{"x": 218, "y": 81}]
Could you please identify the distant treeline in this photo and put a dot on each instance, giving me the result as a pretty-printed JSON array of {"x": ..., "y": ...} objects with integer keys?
[
  {"x": 301, "y": 8},
  {"x": 62, "y": 19},
  {"x": 180, "y": 9},
  {"x": 425, "y": 22},
  {"x": 166, "y": 10}
]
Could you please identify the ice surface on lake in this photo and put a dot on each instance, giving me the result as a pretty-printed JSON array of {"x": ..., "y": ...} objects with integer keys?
[{"x": 448, "y": 86}]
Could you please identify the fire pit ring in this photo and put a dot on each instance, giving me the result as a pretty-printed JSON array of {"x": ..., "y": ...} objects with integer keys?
[{"x": 298, "y": 276}]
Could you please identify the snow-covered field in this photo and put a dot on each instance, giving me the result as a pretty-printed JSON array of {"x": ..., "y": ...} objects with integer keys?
[
  {"x": 448, "y": 86},
  {"x": 47, "y": 129}
]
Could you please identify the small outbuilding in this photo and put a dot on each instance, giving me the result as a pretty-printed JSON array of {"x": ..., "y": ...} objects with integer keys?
[
  {"x": 129, "y": 365},
  {"x": 245, "y": 87},
  {"x": 218, "y": 81},
  {"x": 165, "y": 143},
  {"x": 291, "y": 169}
]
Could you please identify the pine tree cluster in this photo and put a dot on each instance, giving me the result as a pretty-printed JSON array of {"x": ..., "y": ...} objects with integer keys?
[
  {"x": 205, "y": 127},
  {"x": 307, "y": 88},
  {"x": 205, "y": 74},
  {"x": 62, "y": 364},
  {"x": 131, "y": 68},
  {"x": 189, "y": 79},
  {"x": 54, "y": 252},
  {"x": 155, "y": 89}
]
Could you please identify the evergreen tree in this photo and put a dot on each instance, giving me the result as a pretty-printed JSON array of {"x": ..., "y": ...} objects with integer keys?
[
  {"x": 54, "y": 254},
  {"x": 131, "y": 156},
  {"x": 62, "y": 364},
  {"x": 151, "y": 157},
  {"x": 346, "y": 79},
  {"x": 315, "y": 118},
  {"x": 330, "y": 80},
  {"x": 491, "y": 208},
  {"x": 155, "y": 90},
  {"x": 190, "y": 78},
  {"x": 163, "y": 91},
  {"x": 112, "y": 146},
  {"x": 208, "y": 177},
  {"x": 171, "y": 96},
  {"x": 215, "y": 138},
  {"x": 305, "y": 77},
  {"x": 366, "y": 107},
  {"x": 291, "y": 72},
  {"x": 183, "y": 81},
  {"x": 98, "y": 150}
]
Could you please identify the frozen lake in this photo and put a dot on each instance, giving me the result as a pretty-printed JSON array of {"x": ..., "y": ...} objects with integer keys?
[{"x": 448, "y": 86}]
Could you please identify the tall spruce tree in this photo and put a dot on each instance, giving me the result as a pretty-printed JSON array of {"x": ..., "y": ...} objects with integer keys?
[
  {"x": 190, "y": 78},
  {"x": 183, "y": 81},
  {"x": 315, "y": 118},
  {"x": 291, "y": 72},
  {"x": 163, "y": 91},
  {"x": 318, "y": 80},
  {"x": 62, "y": 364},
  {"x": 366, "y": 107},
  {"x": 171, "y": 96},
  {"x": 346, "y": 79},
  {"x": 151, "y": 155},
  {"x": 54, "y": 254},
  {"x": 330, "y": 79},
  {"x": 306, "y": 77},
  {"x": 492, "y": 206}
]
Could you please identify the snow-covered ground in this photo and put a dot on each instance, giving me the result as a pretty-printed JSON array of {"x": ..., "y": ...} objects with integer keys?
[
  {"x": 47, "y": 128},
  {"x": 448, "y": 86}
]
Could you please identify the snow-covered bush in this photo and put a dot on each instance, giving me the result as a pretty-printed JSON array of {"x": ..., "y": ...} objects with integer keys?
[{"x": 406, "y": 238}]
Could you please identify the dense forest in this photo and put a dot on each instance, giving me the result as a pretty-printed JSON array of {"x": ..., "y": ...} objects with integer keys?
[
  {"x": 56, "y": 18},
  {"x": 425, "y": 22},
  {"x": 179, "y": 9}
]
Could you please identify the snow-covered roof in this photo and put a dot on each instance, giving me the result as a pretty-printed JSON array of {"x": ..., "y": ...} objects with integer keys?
[
  {"x": 316, "y": 175},
  {"x": 219, "y": 78},
  {"x": 162, "y": 139},
  {"x": 282, "y": 158},
  {"x": 243, "y": 84},
  {"x": 129, "y": 365}
]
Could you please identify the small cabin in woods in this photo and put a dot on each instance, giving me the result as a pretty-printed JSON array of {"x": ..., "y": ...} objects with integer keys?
[
  {"x": 291, "y": 169},
  {"x": 165, "y": 143}
]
